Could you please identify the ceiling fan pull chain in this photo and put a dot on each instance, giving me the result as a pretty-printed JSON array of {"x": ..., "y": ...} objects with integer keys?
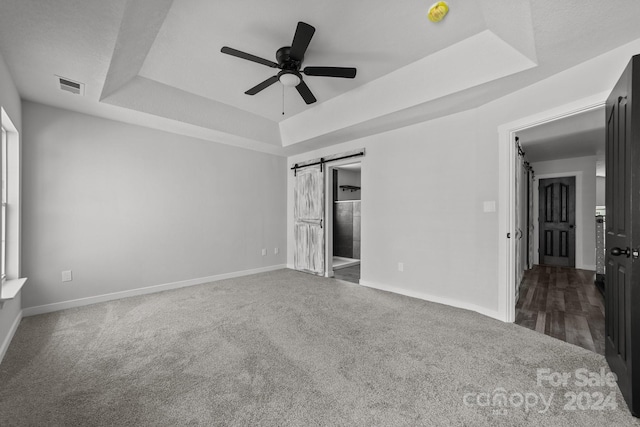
[{"x": 283, "y": 100}]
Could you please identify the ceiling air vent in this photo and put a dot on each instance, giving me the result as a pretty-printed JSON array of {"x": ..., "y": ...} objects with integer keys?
[{"x": 71, "y": 86}]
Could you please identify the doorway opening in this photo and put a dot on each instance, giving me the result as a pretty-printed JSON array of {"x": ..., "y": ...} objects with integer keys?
[
  {"x": 558, "y": 209},
  {"x": 344, "y": 247}
]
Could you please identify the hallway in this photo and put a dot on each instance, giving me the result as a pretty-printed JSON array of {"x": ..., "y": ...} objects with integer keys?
[{"x": 563, "y": 303}]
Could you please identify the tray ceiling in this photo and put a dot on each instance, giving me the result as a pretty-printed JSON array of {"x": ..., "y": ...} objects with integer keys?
[{"x": 157, "y": 63}]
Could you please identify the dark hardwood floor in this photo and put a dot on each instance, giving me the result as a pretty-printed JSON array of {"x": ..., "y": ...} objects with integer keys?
[
  {"x": 563, "y": 303},
  {"x": 350, "y": 274}
]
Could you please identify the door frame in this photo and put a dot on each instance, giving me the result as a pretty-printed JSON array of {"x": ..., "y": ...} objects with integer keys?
[
  {"x": 507, "y": 154},
  {"x": 328, "y": 208},
  {"x": 579, "y": 219}
]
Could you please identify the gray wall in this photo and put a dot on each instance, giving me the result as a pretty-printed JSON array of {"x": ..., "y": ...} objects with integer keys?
[
  {"x": 422, "y": 201},
  {"x": 10, "y": 101},
  {"x": 600, "y": 190},
  {"x": 348, "y": 177},
  {"x": 126, "y": 207},
  {"x": 425, "y": 185}
]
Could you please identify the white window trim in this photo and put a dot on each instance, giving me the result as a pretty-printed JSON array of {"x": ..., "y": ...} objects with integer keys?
[
  {"x": 11, "y": 287},
  {"x": 12, "y": 283},
  {"x": 3, "y": 205}
]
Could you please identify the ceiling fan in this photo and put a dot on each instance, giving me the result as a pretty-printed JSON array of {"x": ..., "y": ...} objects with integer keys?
[{"x": 289, "y": 62}]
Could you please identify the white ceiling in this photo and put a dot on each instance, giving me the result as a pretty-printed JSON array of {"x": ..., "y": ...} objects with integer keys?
[
  {"x": 157, "y": 63},
  {"x": 354, "y": 167},
  {"x": 575, "y": 136}
]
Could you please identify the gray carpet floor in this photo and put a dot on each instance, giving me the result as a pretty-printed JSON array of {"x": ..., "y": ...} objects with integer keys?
[{"x": 286, "y": 348}]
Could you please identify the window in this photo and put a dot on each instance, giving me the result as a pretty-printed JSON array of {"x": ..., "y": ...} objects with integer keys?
[
  {"x": 3, "y": 212},
  {"x": 10, "y": 280}
]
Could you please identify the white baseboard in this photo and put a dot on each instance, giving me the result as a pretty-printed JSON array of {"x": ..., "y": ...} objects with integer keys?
[
  {"x": 7, "y": 340},
  {"x": 48, "y": 308},
  {"x": 440, "y": 300},
  {"x": 588, "y": 267}
]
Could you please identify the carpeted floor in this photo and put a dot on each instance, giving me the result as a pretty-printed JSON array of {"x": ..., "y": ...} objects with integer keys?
[{"x": 286, "y": 348}]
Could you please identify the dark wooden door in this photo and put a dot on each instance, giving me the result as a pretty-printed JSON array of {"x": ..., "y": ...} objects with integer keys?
[
  {"x": 622, "y": 290},
  {"x": 557, "y": 220}
]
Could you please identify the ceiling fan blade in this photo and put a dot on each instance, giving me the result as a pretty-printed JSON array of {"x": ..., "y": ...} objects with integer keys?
[
  {"x": 265, "y": 84},
  {"x": 305, "y": 93},
  {"x": 344, "y": 72},
  {"x": 248, "y": 57},
  {"x": 301, "y": 41}
]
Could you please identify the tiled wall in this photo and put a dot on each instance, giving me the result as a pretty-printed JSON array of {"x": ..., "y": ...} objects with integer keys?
[{"x": 347, "y": 229}]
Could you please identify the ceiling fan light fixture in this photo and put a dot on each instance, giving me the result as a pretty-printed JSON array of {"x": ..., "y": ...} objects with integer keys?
[
  {"x": 438, "y": 11},
  {"x": 289, "y": 79}
]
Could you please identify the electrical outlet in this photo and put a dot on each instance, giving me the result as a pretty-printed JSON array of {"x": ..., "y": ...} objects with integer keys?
[
  {"x": 264, "y": 252},
  {"x": 67, "y": 276},
  {"x": 276, "y": 251},
  {"x": 401, "y": 266},
  {"x": 489, "y": 206}
]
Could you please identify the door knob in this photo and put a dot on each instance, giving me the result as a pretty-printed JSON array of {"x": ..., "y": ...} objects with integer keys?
[
  {"x": 618, "y": 252},
  {"x": 571, "y": 226}
]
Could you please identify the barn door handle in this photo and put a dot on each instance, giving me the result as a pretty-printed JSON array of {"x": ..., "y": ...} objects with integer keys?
[{"x": 618, "y": 252}]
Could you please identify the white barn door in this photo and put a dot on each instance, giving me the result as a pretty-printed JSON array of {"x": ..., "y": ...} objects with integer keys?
[
  {"x": 519, "y": 222},
  {"x": 308, "y": 212}
]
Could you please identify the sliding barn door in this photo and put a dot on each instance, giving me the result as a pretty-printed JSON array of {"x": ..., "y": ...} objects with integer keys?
[
  {"x": 308, "y": 214},
  {"x": 530, "y": 227},
  {"x": 519, "y": 222}
]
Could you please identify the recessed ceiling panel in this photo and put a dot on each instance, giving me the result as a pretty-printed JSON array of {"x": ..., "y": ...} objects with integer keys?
[
  {"x": 157, "y": 63},
  {"x": 479, "y": 59},
  {"x": 375, "y": 36}
]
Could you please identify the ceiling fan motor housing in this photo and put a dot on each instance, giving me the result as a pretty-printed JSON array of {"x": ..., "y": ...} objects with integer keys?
[{"x": 285, "y": 61}]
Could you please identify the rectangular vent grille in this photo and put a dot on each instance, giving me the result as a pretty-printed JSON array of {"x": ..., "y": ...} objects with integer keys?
[{"x": 76, "y": 88}]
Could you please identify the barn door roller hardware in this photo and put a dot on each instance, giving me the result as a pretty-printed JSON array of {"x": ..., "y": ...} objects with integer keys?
[
  {"x": 519, "y": 147},
  {"x": 322, "y": 161}
]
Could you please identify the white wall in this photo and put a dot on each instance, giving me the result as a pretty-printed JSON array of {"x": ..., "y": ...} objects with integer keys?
[
  {"x": 424, "y": 188},
  {"x": 584, "y": 168},
  {"x": 422, "y": 206},
  {"x": 600, "y": 190},
  {"x": 349, "y": 177},
  {"x": 10, "y": 311},
  {"x": 126, "y": 207}
]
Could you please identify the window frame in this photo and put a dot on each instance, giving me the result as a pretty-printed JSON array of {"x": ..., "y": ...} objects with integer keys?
[
  {"x": 3, "y": 204},
  {"x": 10, "y": 164}
]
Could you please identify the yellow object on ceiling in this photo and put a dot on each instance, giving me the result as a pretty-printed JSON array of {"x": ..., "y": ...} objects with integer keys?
[{"x": 438, "y": 11}]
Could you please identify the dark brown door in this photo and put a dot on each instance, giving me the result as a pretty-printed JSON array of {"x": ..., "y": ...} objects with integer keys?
[
  {"x": 622, "y": 291},
  {"x": 557, "y": 220}
]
